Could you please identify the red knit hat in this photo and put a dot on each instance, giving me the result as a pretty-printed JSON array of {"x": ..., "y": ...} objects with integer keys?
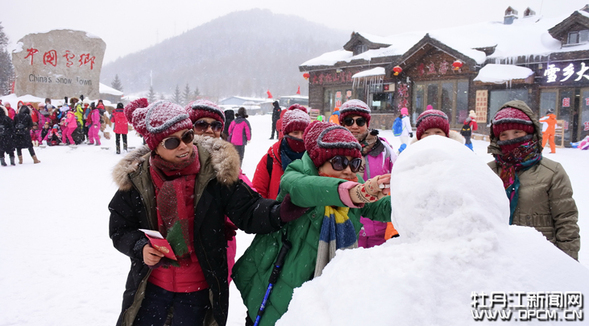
[
  {"x": 355, "y": 107},
  {"x": 510, "y": 118},
  {"x": 205, "y": 109},
  {"x": 432, "y": 119},
  {"x": 324, "y": 140},
  {"x": 295, "y": 118},
  {"x": 156, "y": 121}
]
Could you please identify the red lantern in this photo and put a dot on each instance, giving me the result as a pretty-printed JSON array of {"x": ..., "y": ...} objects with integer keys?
[
  {"x": 457, "y": 65},
  {"x": 397, "y": 70},
  {"x": 306, "y": 75}
]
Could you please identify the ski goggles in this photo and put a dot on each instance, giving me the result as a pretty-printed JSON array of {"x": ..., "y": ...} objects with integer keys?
[
  {"x": 340, "y": 163},
  {"x": 350, "y": 122},
  {"x": 201, "y": 126},
  {"x": 174, "y": 141}
]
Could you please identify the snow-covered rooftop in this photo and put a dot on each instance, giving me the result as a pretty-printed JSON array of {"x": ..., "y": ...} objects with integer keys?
[
  {"x": 378, "y": 71},
  {"x": 103, "y": 89},
  {"x": 524, "y": 37},
  {"x": 499, "y": 74}
]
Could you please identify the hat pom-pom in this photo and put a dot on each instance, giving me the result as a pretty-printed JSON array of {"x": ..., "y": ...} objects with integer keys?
[
  {"x": 131, "y": 107},
  {"x": 299, "y": 107}
]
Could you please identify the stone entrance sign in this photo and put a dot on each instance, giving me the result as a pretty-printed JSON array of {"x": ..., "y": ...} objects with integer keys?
[{"x": 58, "y": 63}]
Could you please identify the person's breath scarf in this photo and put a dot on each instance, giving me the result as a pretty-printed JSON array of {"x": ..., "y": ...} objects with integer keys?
[
  {"x": 173, "y": 217},
  {"x": 337, "y": 232},
  {"x": 519, "y": 159}
]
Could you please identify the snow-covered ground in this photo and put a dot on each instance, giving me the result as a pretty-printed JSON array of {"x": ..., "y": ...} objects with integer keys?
[{"x": 58, "y": 266}]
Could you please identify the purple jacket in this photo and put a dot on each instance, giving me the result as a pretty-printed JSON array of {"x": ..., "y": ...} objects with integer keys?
[
  {"x": 239, "y": 131},
  {"x": 377, "y": 163}
]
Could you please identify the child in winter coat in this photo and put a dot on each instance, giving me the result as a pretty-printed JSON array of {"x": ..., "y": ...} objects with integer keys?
[
  {"x": 470, "y": 125},
  {"x": 240, "y": 132},
  {"x": 53, "y": 137},
  {"x": 539, "y": 190},
  {"x": 407, "y": 131},
  {"x": 94, "y": 126},
  {"x": 121, "y": 127},
  {"x": 378, "y": 158},
  {"x": 69, "y": 126},
  {"x": 183, "y": 190},
  {"x": 287, "y": 149},
  {"x": 36, "y": 135},
  {"x": 325, "y": 180}
]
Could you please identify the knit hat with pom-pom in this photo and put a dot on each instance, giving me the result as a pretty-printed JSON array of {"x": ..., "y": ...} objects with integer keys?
[
  {"x": 205, "y": 109},
  {"x": 156, "y": 121},
  {"x": 295, "y": 118},
  {"x": 354, "y": 107},
  {"x": 324, "y": 140},
  {"x": 432, "y": 119},
  {"x": 509, "y": 118}
]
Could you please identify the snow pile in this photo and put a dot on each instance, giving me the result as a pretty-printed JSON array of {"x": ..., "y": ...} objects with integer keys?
[
  {"x": 499, "y": 74},
  {"x": 452, "y": 213}
]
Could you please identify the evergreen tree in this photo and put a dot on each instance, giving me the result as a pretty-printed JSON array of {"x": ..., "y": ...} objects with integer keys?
[
  {"x": 151, "y": 95},
  {"x": 162, "y": 97},
  {"x": 196, "y": 94},
  {"x": 6, "y": 68},
  {"x": 177, "y": 96},
  {"x": 186, "y": 95},
  {"x": 116, "y": 83}
]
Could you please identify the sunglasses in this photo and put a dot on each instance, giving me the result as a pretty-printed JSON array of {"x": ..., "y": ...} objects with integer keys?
[
  {"x": 202, "y": 126},
  {"x": 340, "y": 163},
  {"x": 173, "y": 142},
  {"x": 350, "y": 122}
]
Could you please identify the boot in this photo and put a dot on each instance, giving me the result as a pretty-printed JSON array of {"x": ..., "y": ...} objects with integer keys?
[
  {"x": 118, "y": 148},
  {"x": 12, "y": 161},
  {"x": 35, "y": 160},
  {"x": 20, "y": 159},
  {"x": 2, "y": 161}
]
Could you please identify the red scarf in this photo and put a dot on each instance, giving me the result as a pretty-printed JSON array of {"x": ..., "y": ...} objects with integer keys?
[{"x": 174, "y": 184}]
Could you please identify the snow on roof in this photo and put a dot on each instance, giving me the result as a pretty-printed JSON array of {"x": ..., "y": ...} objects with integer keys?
[
  {"x": 375, "y": 38},
  {"x": 103, "y": 89},
  {"x": 499, "y": 74},
  {"x": 524, "y": 37},
  {"x": 378, "y": 71}
]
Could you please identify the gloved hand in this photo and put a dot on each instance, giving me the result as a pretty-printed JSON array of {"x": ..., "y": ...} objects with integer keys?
[
  {"x": 411, "y": 134},
  {"x": 289, "y": 211},
  {"x": 230, "y": 229},
  {"x": 372, "y": 190}
]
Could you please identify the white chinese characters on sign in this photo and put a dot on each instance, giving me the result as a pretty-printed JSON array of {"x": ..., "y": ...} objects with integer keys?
[{"x": 555, "y": 74}]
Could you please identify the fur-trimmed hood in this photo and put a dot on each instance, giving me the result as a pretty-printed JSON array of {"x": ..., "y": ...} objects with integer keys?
[{"x": 221, "y": 154}]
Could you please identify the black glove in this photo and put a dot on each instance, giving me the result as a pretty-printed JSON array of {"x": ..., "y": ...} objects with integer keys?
[
  {"x": 289, "y": 211},
  {"x": 411, "y": 134}
]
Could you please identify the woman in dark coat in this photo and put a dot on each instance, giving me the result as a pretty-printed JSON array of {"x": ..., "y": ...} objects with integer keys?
[
  {"x": 22, "y": 136},
  {"x": 6, "y": 132}
]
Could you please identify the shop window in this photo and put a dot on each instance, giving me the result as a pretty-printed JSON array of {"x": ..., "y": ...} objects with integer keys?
[
  {"x": 461, "y": 102},
  {"x": 449, "y": 96},
  {"x": 360, "y": 48},
  {"x": 547, "y": 101},
  {"x": 499, "y": 97},
  {"x": 584, "y": 116}
]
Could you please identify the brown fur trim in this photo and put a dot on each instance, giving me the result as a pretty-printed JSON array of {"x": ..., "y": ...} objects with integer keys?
[
  {"x": 129, "y": 164},
  {"x": 224, "y": 158}
]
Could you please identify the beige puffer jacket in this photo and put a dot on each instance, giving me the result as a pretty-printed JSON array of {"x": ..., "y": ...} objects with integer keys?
[{"x": 545, "y": 195}]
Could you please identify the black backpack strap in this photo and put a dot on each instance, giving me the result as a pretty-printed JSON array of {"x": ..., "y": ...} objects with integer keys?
[{"x": 269, "y": 163}]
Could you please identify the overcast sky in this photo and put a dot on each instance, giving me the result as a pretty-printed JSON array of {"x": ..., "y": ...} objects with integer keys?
[{"x": 129, "y": 26}]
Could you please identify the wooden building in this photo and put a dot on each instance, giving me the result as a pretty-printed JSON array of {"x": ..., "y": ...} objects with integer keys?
[{"x": 544, "y": 62}]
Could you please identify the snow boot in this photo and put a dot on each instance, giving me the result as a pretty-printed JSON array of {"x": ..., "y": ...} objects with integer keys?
[
  {"x": 20, "y": 159},
  {"x": 12, "y": 161},
  {"x": 118, "y": 148},
  {"x": 2, "y": 161},
  {"x": 35, "y": 160}
]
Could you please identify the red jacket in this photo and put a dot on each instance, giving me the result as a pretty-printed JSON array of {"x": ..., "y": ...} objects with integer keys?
[
  {"x": 120, "y": 121},
  {"x": 267, "y": 185},
  {"x": 279, "y": 125}
]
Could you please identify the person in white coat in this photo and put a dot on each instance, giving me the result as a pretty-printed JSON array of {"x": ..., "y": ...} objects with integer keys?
[{"x": 407, "y": 129}]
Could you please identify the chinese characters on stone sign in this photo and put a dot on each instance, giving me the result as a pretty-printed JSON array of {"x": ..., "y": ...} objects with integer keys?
[{"x": 50, "y": 58}]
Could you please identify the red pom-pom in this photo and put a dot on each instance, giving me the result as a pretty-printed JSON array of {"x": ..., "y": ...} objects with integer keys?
[{"x": 131, "y": 107}]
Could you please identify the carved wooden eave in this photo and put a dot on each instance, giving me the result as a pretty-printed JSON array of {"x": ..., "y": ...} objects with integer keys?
[
  {"x": 425, "y": 46},
  {"x": 357, "y": 39},
  {"x": 576, "y": 21}
]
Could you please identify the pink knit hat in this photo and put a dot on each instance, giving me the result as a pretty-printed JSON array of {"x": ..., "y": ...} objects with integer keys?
[
  {"x": 156, "y": 121},
  {"x": 324, "y": 140},
  {"x": 510, "y": 118},
  {"x": 295, "y": 118},
  {"x": 354, "y": 107},
  {"x": 205, "y": 109},
  {"x": 432, "y": 119},
  {"x": 404, "y": 111}
]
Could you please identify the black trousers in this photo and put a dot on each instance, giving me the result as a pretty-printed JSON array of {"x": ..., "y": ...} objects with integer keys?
[
  {"x": 118, "y": 139},
  {"x": 31, "y": 151}
]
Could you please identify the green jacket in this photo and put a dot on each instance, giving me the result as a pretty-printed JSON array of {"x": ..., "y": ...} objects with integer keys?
[
  {"x": 252, "y": 271},
  {"x": 79, "y": 113},
  {"x": 545, "y": 195}
]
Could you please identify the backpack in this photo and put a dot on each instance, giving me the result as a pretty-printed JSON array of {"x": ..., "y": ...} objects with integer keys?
[
  {"x": 398, "y": 127},
  {"x": 466, "y": 131},
  {"x": 20, "y": 128}
]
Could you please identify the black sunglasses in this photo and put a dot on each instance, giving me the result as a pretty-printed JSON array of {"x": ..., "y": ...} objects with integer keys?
[
  {"x": 173, "y": 142},
  {"x": 202, "y": 126},
  {"x": 350, "y": 121},
  {"x": 340, "y": 163}
]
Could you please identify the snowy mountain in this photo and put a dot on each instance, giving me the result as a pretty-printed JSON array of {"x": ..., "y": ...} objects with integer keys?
[{"x": 243, "y": 53}]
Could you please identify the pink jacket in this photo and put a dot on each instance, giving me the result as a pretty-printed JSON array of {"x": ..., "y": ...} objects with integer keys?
[
  {"x": 239, "y": 131},
  {"x": 71, "y": 121},
  {"x": 95, "y": 114}
]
